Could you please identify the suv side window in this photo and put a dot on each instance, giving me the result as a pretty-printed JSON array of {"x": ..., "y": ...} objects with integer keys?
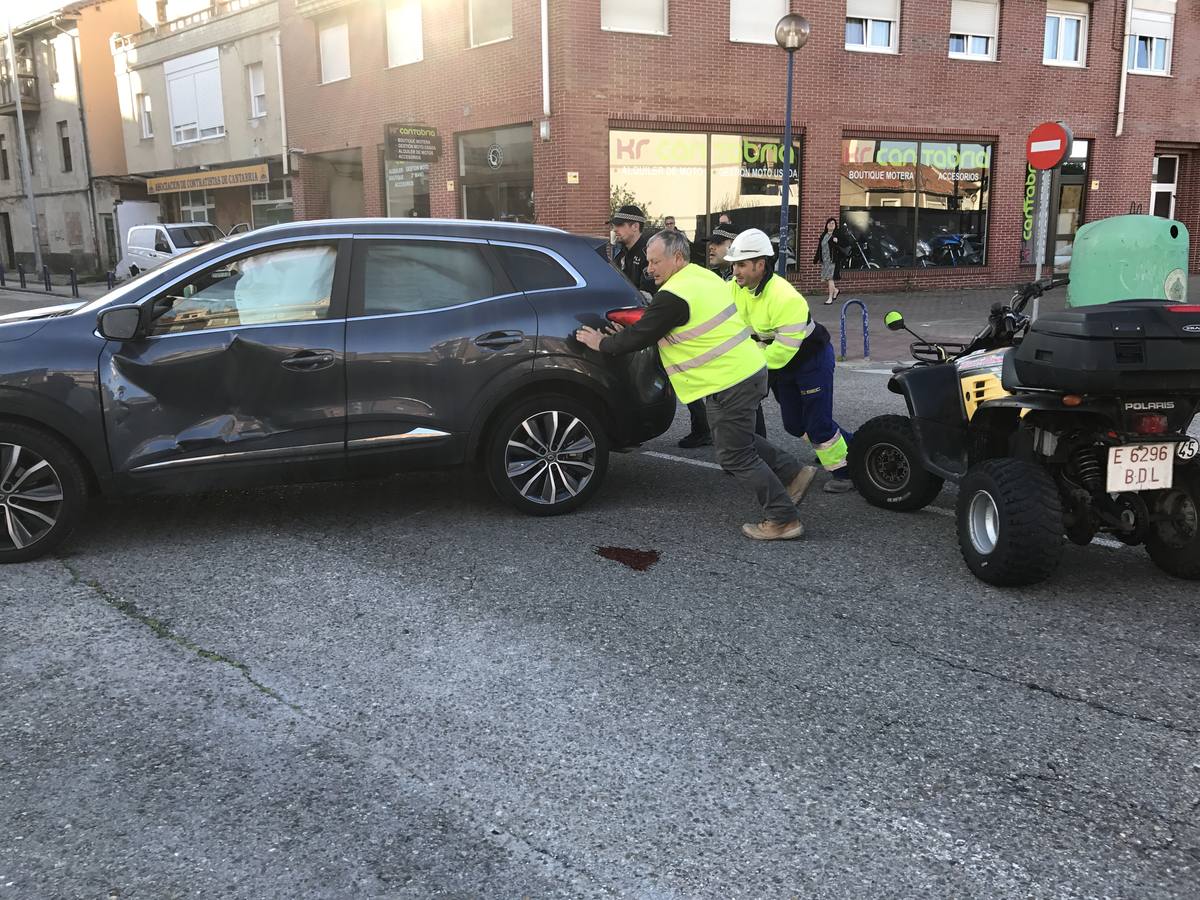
[
  {"x": 141, "y": 238},
  {"x": 532, "y": 270},
  {"x": 403, "y": 276},
  {"x": 275, "y": 286},
  {"x": 161, "y": 244}
]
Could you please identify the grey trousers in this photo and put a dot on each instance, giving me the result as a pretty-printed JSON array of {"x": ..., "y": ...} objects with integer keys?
[{"x": 755, "y": 461}]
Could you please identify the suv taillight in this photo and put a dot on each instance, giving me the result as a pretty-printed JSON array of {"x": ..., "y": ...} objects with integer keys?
[
  {"x": 1150, "y": 423},
  {"x": 626, "y": 316},
  {"x": 1184, "y": 309}
]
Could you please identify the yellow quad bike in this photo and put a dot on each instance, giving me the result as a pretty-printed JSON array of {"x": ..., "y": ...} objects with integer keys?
[{"x": 1073, "y": 425}]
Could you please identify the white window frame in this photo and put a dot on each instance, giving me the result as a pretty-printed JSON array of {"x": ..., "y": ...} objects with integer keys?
[
  {"x": 406, "y": 15},
  {"x": 666, "y": 21},
  {"x": 332, "y": 29},
  {"x": 146, "y": 116},
  {"x": 1165, "y": 187},
  {"x": 1062, "y": 15},
  {"x": 990, "y": 56},
  {"x": 258, "y": 92},
  {"x": 868, "y": 47},
  {"x": 743, "y": 36},
  {"x": 189, "y": 69},
  {"x": 1131, "y": 55},
  {"x": 471, "y": 26}
]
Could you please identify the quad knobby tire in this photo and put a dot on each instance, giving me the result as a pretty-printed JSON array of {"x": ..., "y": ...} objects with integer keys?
[
  {"x": 1010, "y": 522},
  {"x": 1174, "y": 542},
  {"x": 885, "y": 465},
  {"x": 547, "y": 455},
  {"x": 43, "y": 492}
]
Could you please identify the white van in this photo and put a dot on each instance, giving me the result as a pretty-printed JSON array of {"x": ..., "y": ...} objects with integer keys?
[{"x": 149, "y": 246}]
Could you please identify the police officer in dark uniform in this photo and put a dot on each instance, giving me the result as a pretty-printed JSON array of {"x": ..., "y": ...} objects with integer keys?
[{"x": 629, "y": 223}]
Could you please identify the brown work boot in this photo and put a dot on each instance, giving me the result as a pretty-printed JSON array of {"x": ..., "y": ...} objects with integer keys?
[
  {"x": 801, "y": 483},
  {"x": 774, "y": 531}
]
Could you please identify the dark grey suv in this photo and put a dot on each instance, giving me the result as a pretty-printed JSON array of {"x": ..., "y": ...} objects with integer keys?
[{"x": 319, "y": 351}]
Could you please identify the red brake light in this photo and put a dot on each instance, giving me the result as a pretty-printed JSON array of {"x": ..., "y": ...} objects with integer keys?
[
  {"x": 1186, "y": 308},
  {"x": 1150, "y": 423},
  {"x": 627, "y": 316}
]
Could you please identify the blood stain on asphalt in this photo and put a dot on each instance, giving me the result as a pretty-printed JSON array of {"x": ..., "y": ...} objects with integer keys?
[{"x": 638, "y": 560}]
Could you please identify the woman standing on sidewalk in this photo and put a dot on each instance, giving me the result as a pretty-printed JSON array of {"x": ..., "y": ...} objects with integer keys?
[{"x": 828, "y": 256}]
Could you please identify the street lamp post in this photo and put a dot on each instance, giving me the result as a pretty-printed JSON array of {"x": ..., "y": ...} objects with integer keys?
[{"x": 791, "y": 34}]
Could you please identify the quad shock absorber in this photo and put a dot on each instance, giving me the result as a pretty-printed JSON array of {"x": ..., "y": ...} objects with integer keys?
[{"x": 1086, "y": 461}]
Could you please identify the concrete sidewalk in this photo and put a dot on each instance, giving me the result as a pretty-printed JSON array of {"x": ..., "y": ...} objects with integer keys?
[
  {"x": 15, "y": 300},
  {"x": 937, "y": 315}
]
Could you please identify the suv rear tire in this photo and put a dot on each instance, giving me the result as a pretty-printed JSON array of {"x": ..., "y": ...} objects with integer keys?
[
  {"x": 547, "y": 455},
  {"x": 43, "y": 492}
]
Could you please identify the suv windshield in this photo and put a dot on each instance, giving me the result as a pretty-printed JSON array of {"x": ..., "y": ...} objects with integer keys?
[{"x": 193, "y": 235}]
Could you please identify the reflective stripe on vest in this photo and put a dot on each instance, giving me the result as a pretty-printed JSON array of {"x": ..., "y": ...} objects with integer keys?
[
  {"x": 709, "y": 355},
  {"x": 678, "y": 337},
  {"x": 792, "y": 335}
]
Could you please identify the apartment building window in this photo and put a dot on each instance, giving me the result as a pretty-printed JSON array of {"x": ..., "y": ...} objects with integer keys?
[
  {"x": 52, "y": 61},
  {"x": 334, "y": 41},
  {"x": 491, "y": 21},
  {"x": 640, "y": 16},
  {"x": 4, "y": 175},
  {"x": 147, "y": 120},
  {"x": 1150, "y": 38},
  {"x": 873, "y": 25},
  {"x": 973, "y": 28},
  {"x": 754, "y": 21},
  {"x": 258, "y": 90},
  {"x": 31, "y": 144},
  {"x": 1066, "y": 33},
  {"x": 404, "y": 41},
  {"x": 194, "y": 97},
  {"x": 64, "y": 141}
]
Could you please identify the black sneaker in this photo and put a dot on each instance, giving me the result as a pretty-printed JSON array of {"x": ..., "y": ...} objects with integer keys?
[{"x": 694, "y": 440}]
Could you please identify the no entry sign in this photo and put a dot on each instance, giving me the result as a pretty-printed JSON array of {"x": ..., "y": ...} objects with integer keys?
[{"x": 1048, "y": 145}]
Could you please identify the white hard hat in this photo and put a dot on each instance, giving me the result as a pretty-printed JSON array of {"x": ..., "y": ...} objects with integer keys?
[{"x": 750, "y": 244}]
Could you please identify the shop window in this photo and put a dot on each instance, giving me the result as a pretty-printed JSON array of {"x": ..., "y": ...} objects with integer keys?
[
  {"x": 334, "y": 47},
  {"x": 911, "y": 204},
  {"x": 271, "y": 203},
  {"x": 144, "y": 114},
  {"x": 873, "y": 25},
  {"x": 641, "y": 16},
  {"x": 495, "y": 169},
  {"x": 197, "y": 206},
  {"x": 422, "y": 276},
  {"x": 754, "y": 21},
  {"x": 405, "y": 43},
  {"x": 1065, "y": 42},
  {"x": 194, "y": 97},
  {"x": 696, "y": 177},
  {"x": 973, "y": 27},
  {"x": 258, "y": 90},
  {"x": 406, "y": 186},
  {"x": 1070, "y": 203},
  {"x": 491, "y": 21}
]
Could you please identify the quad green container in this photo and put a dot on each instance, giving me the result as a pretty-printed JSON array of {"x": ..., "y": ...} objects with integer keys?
[{"x": 1129, "y": 258}]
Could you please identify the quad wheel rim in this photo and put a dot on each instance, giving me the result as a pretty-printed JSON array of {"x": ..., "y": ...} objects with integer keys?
[
  {"x": 983, "y": 523},
  {"x": 31, "y": 497}
]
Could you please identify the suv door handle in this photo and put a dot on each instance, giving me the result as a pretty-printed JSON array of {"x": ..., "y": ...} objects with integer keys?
[
  {"x": 309, "y": 360},
  {"x": 497, "y": 340}
]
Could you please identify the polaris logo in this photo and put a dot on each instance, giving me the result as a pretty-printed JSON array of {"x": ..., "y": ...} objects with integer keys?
[
  {"x": 1192, "y": 329},
  {"x": 1144, "y": 407}
]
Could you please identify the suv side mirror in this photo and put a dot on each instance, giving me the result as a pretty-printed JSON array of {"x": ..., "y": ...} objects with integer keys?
[
  {"x": 121, "y": 323},
  {"x": 894, "y": 321}
]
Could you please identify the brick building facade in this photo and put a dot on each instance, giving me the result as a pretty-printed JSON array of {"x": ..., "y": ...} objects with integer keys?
[{"x": 916, "y": 146}]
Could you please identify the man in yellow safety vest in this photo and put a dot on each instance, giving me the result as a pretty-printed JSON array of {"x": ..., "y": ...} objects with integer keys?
[
  {"x": 799, "y": 353},
  {"x": 708, "y": 352}
]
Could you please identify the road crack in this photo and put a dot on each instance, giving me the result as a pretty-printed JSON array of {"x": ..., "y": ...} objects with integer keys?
[
  {"x": 1043, "y": 689},
  {"x": 160, "y": 629}
]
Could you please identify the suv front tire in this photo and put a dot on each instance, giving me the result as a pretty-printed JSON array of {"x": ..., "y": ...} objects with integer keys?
[{"x": 547, "y": 455}]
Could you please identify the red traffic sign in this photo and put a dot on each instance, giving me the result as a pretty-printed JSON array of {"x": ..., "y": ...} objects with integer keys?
[{"x": 1048, "y": 145}]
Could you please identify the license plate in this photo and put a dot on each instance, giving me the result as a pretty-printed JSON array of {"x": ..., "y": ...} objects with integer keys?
[{"x": 1140, "y": 467}]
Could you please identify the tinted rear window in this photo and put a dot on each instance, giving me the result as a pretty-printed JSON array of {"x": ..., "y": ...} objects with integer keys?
[
  {"x": 531, "y": 270},
  {"x": 192, "y": 235},
  {"x": 419, "y": 276}
]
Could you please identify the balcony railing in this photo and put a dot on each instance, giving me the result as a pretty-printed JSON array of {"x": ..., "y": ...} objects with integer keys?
[
  {"x": 218, "y": 10},
  {"x": 26, "y": 79}
]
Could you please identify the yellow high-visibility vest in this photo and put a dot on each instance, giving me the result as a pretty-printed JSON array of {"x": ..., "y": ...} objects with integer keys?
[
  {"x": 779, "y": 314},
  {"x": 714, "y": 349}
]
